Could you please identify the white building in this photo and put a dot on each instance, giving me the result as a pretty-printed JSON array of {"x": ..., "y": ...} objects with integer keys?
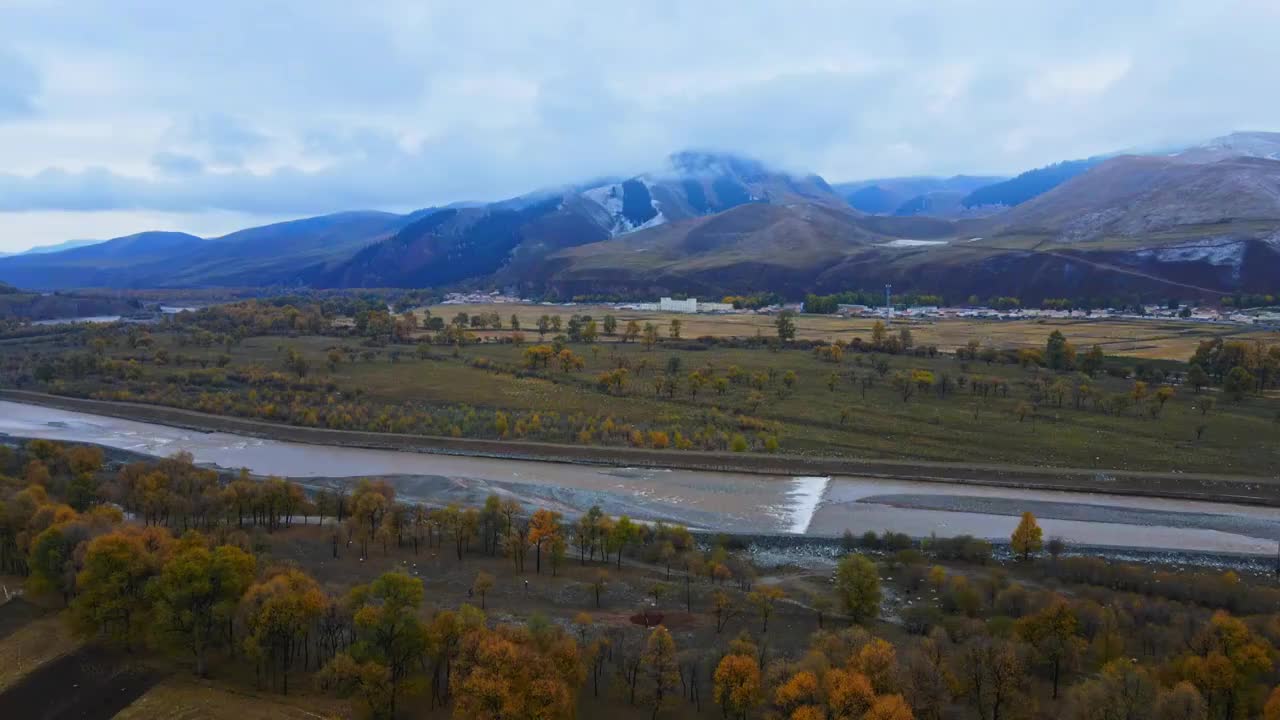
[
  {"x": 715, "y": 307},
  {"x": 667, "y": 304}
]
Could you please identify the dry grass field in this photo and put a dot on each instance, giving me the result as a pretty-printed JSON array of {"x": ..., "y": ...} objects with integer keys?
[
  {"x": 32, "y": 645},
  {"x": 1147, "y": 339},
  {"x": 185, "y": 698}
]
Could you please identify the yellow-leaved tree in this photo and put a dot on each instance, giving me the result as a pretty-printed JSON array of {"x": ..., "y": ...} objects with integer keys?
[
  {"x": 1027, "y": 538},
  {"x": 737, "y": 685}
]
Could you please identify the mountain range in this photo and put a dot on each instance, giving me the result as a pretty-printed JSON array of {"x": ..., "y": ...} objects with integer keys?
[{"x": 1196, "y": 221}]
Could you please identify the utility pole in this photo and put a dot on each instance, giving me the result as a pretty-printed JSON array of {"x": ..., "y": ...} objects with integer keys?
[{"x": 888, "y": 306}]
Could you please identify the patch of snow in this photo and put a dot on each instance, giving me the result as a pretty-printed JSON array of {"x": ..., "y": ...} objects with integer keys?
[
  {"x": 805, "y": 495},
  {"x": 609, "y": 197},
  {"x": 903, "y": 242},
  {"x": 654, "y": 221},
  {"x": 1212, "y": 251}
]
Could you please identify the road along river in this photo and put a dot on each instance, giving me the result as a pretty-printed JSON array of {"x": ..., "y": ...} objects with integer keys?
[{"x": 732, "y": 502}]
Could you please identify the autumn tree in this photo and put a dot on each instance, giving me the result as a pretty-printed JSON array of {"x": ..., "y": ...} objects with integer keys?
[
  {"x": 297, "y": 363},
  {"x": 661, "y": 670},
  {"x": 1271, "y": 711},
  {"x": 927, "y": 679},
  {"x": 849, "y": 693},
  {"x": 278, "y": 612},
  {"x": 879, "y": 333},
  {"x": 538, "y": 356},
  {"x": 991, "y": 675},
  {"x": 517, "y": 672},
  {"x": 858, "y": 585},
  {"x": 569, "y": 360},
  {"x": 889, "y": 707},
  {"x": 1122, "y": 690},
  {"x": 785, "y": 326},
  {"x": 112, "y": 599},
  {"x": 1054, "y": 634},
  {"x": 1197, "y": 378},
  {"x": 370, "y": 680},
  {"x": 197, "y": 593},
  {"x": 51, "y": 560},
  {"x": 482, "y": 585},
  {"x": 1091, "y": 362},
  {"x": 621, "y": 535},
  {"x": 1184, "y": 702},
  {"x": 1238, "y": 383},
  {"x": 799, "y": 695},
  {"x": 723, "y": 608},
  {"x": 1226, "y": 657},
  {"x": 763, "y": 600},
  {"x": 1027, "y": 538},
  {"x": 599, "y": 582},
  {"x": 878, "y": 660},
  {"x": 1058, "y": 353},
  {"x": 544, "y": 528},
  {"x": 737, "y": 685},
  {"x": 650, "y": 336},
  {"x": 389, "y": 634}
]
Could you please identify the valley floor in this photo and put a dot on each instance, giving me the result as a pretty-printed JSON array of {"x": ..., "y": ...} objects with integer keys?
[{"x": 737, "y": 493}]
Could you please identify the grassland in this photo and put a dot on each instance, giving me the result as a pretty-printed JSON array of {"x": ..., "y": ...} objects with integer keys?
[
  {"x": 1144, "y": 339},
  {"x": 185, "y": 698},
  {"x": 827, "y": 412},
  {"x": 808, "y": 405},
  {"x": 31, "y": 645}
]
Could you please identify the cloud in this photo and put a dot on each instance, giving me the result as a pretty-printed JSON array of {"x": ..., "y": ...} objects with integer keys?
[
  {"x": 19, "y": 86},
  {"x": 1078, "y": 79},
  {"x": 226, "y": 138},
  {"x": 168, "y": 163},
  {"x": 319, "y": 105}
]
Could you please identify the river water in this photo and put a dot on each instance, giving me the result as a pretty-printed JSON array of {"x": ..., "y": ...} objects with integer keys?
[{"x": 731, "y": 502}]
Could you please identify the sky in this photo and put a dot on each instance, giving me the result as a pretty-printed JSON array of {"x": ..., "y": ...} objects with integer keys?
[{"x": 127, "y": 115}]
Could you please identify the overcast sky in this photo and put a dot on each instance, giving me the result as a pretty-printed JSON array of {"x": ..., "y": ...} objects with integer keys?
[{"x": 123, "y": 115}]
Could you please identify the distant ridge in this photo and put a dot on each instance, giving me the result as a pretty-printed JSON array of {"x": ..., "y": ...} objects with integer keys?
[{"x": 1203, "y": 218}]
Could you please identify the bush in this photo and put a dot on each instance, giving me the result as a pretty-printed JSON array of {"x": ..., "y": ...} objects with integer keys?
[
  {"x": 962, "y": 547},
  {"x": 910, "y": 556},
  {"x": 894, "y": 542},
  {"x": 921, "y": 618}
]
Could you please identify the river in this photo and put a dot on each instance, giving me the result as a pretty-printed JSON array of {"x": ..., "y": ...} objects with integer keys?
[{"x": 740, "y": 503}]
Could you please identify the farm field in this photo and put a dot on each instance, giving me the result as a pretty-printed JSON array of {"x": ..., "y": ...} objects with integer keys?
[
  {"x": 1145, "y": 339},
  {"x": 990, "y": 399},
  {"x": 817, "y": 415}
]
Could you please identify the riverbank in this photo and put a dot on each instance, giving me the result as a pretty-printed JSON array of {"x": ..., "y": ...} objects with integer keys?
[
  {"x": 730, "y": 502},
  {"x": 1186, "y": 486},
  {"x": 817, "y": 549}
]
